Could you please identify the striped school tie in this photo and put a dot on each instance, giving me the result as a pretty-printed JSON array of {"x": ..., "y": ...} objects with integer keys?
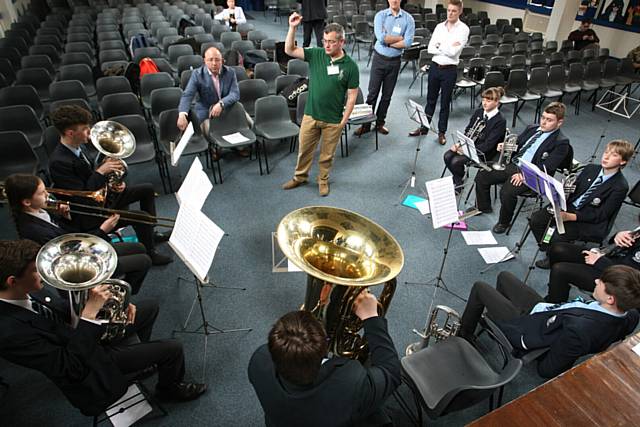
[{"x": 585, "y": 196}]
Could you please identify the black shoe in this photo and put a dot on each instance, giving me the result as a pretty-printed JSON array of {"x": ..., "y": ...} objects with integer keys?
[
  {"x": 544, "y": 264},
  {"x": 500, "y": 228},
  {"x": 162, "y": 237},
  {"x": 420, "y": 131},
  {"x": 181, "y": 392},
  {"x": 473, "y": 209},
  {"x": 159, "y": 259}
]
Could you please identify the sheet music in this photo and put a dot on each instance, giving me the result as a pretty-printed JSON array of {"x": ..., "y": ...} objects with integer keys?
[
  {"x": 423, "y": 207},
  {"x": 235, "y": 138},
  {"x": 184, "y": 140},
  {"x": 195, "y": 239},
  {"x": 636, "y": 349},
  {"x": 291, "y": 267},
  {"x": 196, "y": 186},
  {"x": 556, "y": 209},
  {"x": 442, "y": 200},
  {"x": 479, "y": 238},
  {"x": 468, "y": 147},
  {"x": 495, "y": 255},
  {"x": 417, "y": 114},
  {"x": 132, "y": 414},
  {"x": 536, "y": 179}
]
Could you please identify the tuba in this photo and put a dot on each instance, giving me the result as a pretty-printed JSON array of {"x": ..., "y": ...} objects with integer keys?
[
  {"x": 342, "y": 253},
  {"x": 78, "y": 262},
  {"x": 509, "y": 146},
  {"x": 114, "y": 140},
  {"x": 450, "y": 321}
]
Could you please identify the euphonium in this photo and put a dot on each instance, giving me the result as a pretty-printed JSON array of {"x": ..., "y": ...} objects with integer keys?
[
  {"x": 450, "y": 327},
  {"x": 343, "y": 253},
  {"x": 509, "y": 146},
  {"x": 78, "y": 262},
  {"x": 114, "y": 140}
]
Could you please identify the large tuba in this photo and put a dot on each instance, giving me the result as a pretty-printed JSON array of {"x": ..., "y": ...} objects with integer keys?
[
  {"x": 76, "y": 263},
  {"x": 114, "y": 140},
  {"x": 343, "y": 253}
]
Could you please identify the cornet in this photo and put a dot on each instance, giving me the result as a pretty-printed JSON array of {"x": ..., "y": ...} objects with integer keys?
[
  {"x": 478, "y": 127},
  {"x": 449, "y": 328},
  {"x": 509, "y": 146}
]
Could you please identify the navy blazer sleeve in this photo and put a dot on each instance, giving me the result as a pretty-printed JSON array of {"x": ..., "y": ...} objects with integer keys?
[
  {"x": 384, "y": 375},
  {"x": 563, "y": 353},
  {"x": 608, "y": 207},
  {"x": 233, "y": 95},
  {"x": 64, "y": 169},
  {"x": 189, "y": 92},
  {"x": 495, "y": 133}
]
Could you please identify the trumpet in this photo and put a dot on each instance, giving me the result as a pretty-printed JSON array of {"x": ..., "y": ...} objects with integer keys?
[
  {"x": 478, "y": 127},
  {"x": 113, "y": 140},
  {"x": 101, "y": 212},
  {"x": 509, "y": 146}
]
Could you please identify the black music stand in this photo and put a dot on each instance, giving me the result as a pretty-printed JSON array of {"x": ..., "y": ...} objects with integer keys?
[{"x": 417, "y": 114}]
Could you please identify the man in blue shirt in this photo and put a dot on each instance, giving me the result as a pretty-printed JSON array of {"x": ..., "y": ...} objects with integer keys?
[
  {"x": 394, "y": 29},
  {"x": 569, "y": 330}
]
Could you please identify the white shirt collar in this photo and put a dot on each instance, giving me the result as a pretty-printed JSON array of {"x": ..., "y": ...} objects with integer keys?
[
  {"x": 43, "y": 215},
  {"x": 491, "y": 114},
  {"x": 24, "y": 303}
]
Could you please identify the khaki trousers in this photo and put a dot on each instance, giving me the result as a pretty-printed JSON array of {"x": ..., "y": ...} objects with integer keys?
[{"x": 311, "y": 131}]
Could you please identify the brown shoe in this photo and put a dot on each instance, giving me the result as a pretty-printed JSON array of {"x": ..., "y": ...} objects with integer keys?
[
  {"x": 442, "y": 139},
  {"x": 420, "y": 131},
  {"x": 243, "y": 152},
  {"x": 383, "y": 130},
  {"x": 292, "y": 183},
  {"x": 323, "y": 187},
  {"x": 362, "y": 130}
]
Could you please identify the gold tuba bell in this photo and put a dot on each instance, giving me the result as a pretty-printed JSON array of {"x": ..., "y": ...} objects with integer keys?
[
  {"x": 343, "y": 253},
  {"x": 76, "y": 263}
]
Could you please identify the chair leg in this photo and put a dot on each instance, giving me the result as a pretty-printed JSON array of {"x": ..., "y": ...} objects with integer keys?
[
  {"x": 264, "y": 152},
  {"x": 376, "y": 137},
  {"x": 257, "y": 148}
]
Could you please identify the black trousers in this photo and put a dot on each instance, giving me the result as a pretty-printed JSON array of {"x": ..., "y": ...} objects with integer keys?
[
  {"x": 145, "y": 194},
  {"x": 317, "y": 26},
  {"x": 384, "y": 74},
  {"x": 133, "y": 357},
  {"x": 456, "y": 164},
  {"x": 509, "y": 299},
  {"x": 539, "y": 221},
  {"x": 508, "y": 193},
  {"x": 133, "y": 263},
  {"x": 441, "y": 83},
  {"x": 568, "y": 267}
]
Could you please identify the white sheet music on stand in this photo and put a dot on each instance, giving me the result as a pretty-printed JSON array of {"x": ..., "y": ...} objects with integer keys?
[
  {"x": 442, "y": 200},
  {"x": 195, "y": 239},
  {"x": 417, "y": 114},
  {"x": 555, "y": 207},
  {"x": 184, "y": 140},
  {"x": 468, "y": 147},
  {"x": 196, "y": 186}
]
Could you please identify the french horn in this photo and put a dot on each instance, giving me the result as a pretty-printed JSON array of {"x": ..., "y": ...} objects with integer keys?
[
  {"x": 343, "y": 253},
  {"x": 76, "y": 263}
]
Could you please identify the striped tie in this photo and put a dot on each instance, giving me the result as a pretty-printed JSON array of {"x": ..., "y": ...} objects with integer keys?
[
  {"x": 528, "y": 144},
  {"x": 585, "y": 196},
  {"x": 45, "y": 311}
]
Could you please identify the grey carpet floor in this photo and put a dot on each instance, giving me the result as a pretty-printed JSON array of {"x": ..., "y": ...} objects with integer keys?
[{"x": 249, "y": 207}]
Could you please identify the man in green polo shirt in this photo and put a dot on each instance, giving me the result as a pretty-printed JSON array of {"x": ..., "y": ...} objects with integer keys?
[{"x": 332, "y": 74}]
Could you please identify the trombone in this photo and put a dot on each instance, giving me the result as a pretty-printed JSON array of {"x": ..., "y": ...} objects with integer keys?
[{"x": 99, "y": 196}]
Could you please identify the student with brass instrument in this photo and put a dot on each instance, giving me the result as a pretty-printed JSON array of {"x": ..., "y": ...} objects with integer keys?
[
  {"x": 296, "y": 384},
  {"x": 573, "y": 264},
  {"x": 27, "y": 197},
  {"x": 543, "y": 145},
  {"x": 487, "y": 127},
  {"x": 37, "y": 332},
  {"x": 72, "y": 169},
  {"x": 593, "y": 205},
  {"x": 569, "y": 330}
]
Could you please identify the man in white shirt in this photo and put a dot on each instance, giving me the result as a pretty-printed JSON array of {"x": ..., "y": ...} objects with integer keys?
[
  {"x": 232, "y": 15},
  {"x": 446, "y": 44}
]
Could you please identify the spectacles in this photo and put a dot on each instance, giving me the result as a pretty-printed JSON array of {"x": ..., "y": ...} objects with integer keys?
[{"x": 330, "y": 42}]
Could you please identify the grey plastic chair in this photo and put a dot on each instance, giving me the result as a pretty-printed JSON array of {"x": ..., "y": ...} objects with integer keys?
[
  {"x": 188, "y": 62},
  {"x": 162, "y": 99},
  {"x": 573, "y": 84},
  {"x": 39, "y": 78},
  {"x": 176, "y": 51},
  {"x": 112, "y": 84},
  {"x": 250, "y": 91},
  {"x": 145, "y": 146},
  {"x": 268, "y": 71},
  {"x": 67, "y": 89},
  {"x": 38, "y": 61},
  {"x": 22, "y": 95},
  {"x": 232, "y": 120},
  {"x": 76, "y": 58},
  {"x": 298, "y": 66},
  {"x": 22, "y": 118},
  {"x": 80, "y": 72},
  {"x": 243, "y": 46},
  {"x": 18, "y": 155},
  {"x": 145, "y": 52},
  {"x": 451, "y": 375},
  {"x": 273, "y": 122},
  {"x": 152, "y": 81},
  {"x": 112, "y": 55},
  {"x": 227, "y": 38},
  {"x": 118, "y": 104}
]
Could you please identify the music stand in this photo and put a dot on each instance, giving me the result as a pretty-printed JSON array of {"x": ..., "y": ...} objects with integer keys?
[
  {"x": 195, "y": 239},
  {"x": 417, "y": 114},
  {"x": 621, "y": 105}
]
